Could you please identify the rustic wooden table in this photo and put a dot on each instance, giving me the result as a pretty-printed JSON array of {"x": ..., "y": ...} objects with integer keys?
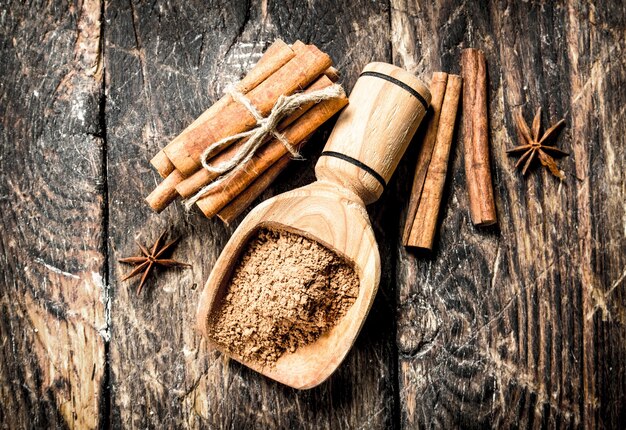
[{"x": 523, "y": 325}]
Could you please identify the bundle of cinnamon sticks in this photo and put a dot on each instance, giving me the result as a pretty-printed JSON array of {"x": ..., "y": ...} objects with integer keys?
[{"x": 282, "y": 71}]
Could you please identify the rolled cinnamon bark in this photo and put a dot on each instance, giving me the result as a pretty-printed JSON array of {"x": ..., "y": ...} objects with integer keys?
[
  {"x": 176, "y": 184},
  {"x": 269, "y": 154},
  {"x": 189, "y": 186},
  {"x": 476, "y": 138},
  {"x": 164, "y": 193},
  {"x": 332, "y": 74},
  {"x": 425, "y": 224},
  {"x": 162, "y": 164},
  {"x": 277, "y": 55},
  {"x": 185, "y": 150},
  {"x": 438, "y": 90},
  {"x": 239, "y": 204}
]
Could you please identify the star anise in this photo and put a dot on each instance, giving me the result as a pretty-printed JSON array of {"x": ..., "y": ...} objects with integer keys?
[
  {"x": 149, "y": 259},
  {"x": 533, "y": 145}
]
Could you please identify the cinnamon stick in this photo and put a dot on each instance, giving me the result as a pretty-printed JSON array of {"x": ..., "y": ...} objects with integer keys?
[
  {"x": 162, "y": 164},
  {"x": 269, "y": 154},
  {"x": 239, "y": 204},
  {"x": 424, "y": 226},
  {"x": 276, "y": 55},
  {"x": 437, "y": 90},
  {"x": 176, "y": 184},
  {"x": 332, "y": 74},
  {"x": 299, "y": 47},
  {"x": 476, "y": 138},
  {"x": 191, "y": 185},
  {"x": 185, "y": 150},
  {"x": 164, "y": 193}
]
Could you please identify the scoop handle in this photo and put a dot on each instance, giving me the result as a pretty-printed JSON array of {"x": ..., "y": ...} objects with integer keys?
[{"x": 386, "y": 106}]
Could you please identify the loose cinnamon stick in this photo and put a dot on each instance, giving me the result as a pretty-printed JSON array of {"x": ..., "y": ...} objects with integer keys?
[
  {"x": 425, "y": 224},
  {"x": 269, "y": 154},
  {"x": 185, "y": 150},
  {"x": 277, "y": 55},
  {"x": 476, "y": 138},
  {"x": 189, "y": 186},
  {"x": 239, "y": 204},
  {"x": 438, "y": 90}
]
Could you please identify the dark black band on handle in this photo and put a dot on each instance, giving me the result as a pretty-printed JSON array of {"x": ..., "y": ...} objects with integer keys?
[
  {"x": 399, "y": 83},
  {"x": 357, "y": 163}
]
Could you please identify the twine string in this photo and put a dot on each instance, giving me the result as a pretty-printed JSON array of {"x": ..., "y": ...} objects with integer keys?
[{"x": 265, "y": 127}]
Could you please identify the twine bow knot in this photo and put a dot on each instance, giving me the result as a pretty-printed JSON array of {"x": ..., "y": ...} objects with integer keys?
[{"x": 265, "y": 126}]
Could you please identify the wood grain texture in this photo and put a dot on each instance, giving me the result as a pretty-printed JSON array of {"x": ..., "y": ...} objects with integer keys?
[
  {"x": 165, "y": 64},
  {"x": 52, "y": 291},
  {"x": 160, "y": 62},
  {"x": 522, "y": 326}
]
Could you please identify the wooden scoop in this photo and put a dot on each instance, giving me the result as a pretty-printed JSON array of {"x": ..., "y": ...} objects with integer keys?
[{"x": 371, "y": 135}]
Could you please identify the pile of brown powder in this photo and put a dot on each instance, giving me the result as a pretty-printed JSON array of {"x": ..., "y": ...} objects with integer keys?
[{"x": 286, "y": 291}]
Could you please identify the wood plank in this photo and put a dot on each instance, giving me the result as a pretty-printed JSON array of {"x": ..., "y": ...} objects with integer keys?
[
  {"x": 517, "y": 326},
  {"x": 522, "y": 326},
  {"x": 165, "y": 64},
  {"x": 53, "y": 297}
]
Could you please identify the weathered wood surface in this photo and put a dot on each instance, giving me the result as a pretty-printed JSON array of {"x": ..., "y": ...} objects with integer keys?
[
  {"x": 53, "y": 300},
  {"x": 161, "y": 74},
  {"x": 517, "y": 326},
  {"x": 524, "y": 324}
]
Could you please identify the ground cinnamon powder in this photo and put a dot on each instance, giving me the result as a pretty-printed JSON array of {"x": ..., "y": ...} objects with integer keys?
[{"x": 286, "y": 291}]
